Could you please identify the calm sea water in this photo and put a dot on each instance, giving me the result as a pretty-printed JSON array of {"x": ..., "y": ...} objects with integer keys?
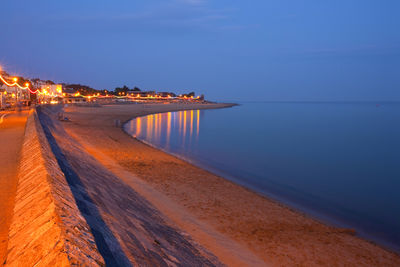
[{"x": 339, "y": 162}]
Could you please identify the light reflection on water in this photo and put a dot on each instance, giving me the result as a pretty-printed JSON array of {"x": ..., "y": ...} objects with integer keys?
[
  {"x": 336, "y": 161},
  {"x": 161, "y": 129}
]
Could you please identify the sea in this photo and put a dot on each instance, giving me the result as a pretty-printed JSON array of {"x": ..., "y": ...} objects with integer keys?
[{"x": 338, "y": 162}]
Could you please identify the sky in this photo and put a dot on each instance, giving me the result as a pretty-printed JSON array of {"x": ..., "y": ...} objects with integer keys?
[{"x": 299, "y": 50}]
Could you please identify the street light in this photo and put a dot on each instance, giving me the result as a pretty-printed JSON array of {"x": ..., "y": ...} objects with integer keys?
[
  {"x": 15, "y": 79},
  {"x": 27, "y": 95}
]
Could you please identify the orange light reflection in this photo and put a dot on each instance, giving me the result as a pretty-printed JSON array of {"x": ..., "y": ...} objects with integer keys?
[
  {"x": 191, "y": 124},
  {"x": 138, "y": 126},
  {"x": 184, "y": 124},
  {"x": 198, "y": 122},
  {"x": 168, "y": 127}
]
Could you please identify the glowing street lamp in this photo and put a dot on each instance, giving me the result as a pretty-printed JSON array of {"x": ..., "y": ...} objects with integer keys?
[{"x": 15, "y": 79}]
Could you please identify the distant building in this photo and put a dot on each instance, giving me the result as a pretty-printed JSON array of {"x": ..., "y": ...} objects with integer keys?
[
  {"x": 166, "y": 94},
  {"x": 67, "y": 92},
  {"x": 54, "y": 90},
  {"x": 140, "y": 93},
  {"x": 11, "y": 94},
  {"x": 5, "y": 88}
]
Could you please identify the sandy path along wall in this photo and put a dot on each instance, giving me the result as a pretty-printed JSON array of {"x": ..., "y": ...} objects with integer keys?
[{"x": 47, "y": 228}]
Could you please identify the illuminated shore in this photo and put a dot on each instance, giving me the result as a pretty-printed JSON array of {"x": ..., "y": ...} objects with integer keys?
[{"x": 236, "y": 225}]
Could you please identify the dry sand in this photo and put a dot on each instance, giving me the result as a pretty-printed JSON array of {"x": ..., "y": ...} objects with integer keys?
[{"x": 237, "y": 225}]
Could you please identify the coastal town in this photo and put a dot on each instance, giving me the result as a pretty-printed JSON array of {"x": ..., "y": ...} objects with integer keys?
[
  {"x": 19, "y": 91},
  {"x": 199, "y": 133},
  {"x": 80, "y": 190}
]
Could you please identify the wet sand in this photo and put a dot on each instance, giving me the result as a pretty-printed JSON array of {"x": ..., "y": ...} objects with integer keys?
[{"x": 237, "y": 225}]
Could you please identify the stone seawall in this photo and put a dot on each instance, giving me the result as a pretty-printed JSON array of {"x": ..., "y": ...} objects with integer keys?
[{"x": 47, "y": 228}]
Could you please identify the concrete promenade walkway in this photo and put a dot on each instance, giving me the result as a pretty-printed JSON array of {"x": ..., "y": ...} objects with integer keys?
[{"x": 12, "y": 128}]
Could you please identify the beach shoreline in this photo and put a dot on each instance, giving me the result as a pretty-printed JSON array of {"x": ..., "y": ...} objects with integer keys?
[
  {"x": 318, "y": 214},
  {"x": 264, "y": 226}
]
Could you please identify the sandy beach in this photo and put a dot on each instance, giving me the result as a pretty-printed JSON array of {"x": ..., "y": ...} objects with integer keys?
[{"x": 234, "y": 224}]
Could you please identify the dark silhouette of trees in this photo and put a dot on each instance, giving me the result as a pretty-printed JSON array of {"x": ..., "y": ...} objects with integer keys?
[
  {"x": 82, "y": 89},
  {"x": 121, "y": 91}
]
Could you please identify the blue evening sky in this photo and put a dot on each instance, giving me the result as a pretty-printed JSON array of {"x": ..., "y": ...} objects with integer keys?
[{"x": 228, "y": 50}]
